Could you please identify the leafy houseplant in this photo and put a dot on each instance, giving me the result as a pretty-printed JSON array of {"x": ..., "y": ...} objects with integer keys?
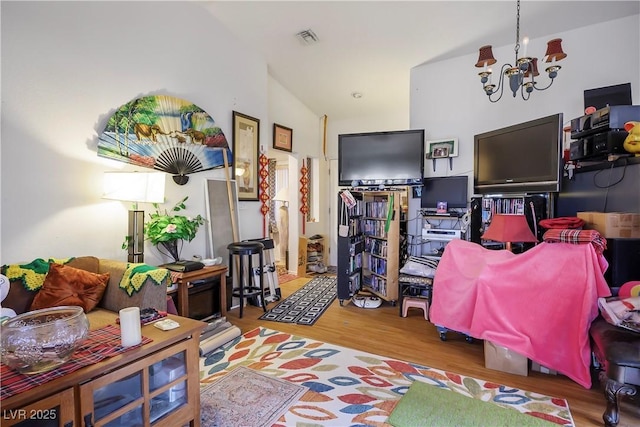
[{"x": 167, "y": 231}]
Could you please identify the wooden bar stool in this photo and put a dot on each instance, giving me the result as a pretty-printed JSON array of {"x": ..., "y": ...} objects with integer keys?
[
  {"x": 239, "y": 252},
  {"x": 421, "y": 303}
]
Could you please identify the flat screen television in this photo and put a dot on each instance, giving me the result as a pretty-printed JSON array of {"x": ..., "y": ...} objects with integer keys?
[
  {"x": 608, "y": 95},
  {"x": 374, "y": 158},
  {"x": 450, "y": 189},
  {"x": 522, "y": 158}
]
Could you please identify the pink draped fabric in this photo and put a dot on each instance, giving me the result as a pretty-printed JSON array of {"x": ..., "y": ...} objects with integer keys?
[{"x": 539, "y": 304}]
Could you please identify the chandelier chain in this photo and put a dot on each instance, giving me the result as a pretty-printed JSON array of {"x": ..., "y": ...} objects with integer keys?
[{"x": 517, "y": 47}]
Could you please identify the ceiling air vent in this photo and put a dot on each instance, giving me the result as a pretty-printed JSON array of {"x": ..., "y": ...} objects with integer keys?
[{"x": 307, "y": 37}]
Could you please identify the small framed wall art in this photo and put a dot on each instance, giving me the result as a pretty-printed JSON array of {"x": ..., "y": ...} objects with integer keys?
[
  {"x": 246, "y": 146},
  {"x": 282, "y": 138},
  {"x": 442, "y": 148}
]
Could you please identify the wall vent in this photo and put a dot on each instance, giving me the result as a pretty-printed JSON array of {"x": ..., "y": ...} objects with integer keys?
[{"x": 307, "y": 37}]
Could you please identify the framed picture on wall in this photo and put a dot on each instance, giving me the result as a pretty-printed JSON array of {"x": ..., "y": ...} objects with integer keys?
[
  {"x": 442, "y": 148},
  {"x": 246, "y": 148},
  {"x": 282, "y": 137}
]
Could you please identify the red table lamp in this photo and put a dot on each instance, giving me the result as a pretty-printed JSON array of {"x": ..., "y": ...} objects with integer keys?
[{"x": 509, "y": 228}]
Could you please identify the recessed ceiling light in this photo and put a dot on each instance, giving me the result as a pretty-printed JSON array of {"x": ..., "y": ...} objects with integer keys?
[{"x": 356, "y": 95}]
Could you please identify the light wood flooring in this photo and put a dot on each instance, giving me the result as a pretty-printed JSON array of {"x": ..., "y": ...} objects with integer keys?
[{"x": 382, "y": 331}]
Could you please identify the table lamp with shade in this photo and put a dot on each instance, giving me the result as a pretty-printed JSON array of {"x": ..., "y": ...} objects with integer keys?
[
  {"x": 282, "y": 196},
  {"x": 509, "y": 228},
  {"x": 137, "y": 187}
]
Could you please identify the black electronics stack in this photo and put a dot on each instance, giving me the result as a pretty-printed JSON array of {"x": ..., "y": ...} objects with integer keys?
[{"x": 601, "y": 133}]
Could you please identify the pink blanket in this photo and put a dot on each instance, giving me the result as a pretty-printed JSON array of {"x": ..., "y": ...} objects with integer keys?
[{"x": 539, "y": 303}]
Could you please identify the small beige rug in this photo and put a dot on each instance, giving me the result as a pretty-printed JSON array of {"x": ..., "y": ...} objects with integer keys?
[
  {"x": 286, "y": 278},
  {"x": 247, "y": 398}
]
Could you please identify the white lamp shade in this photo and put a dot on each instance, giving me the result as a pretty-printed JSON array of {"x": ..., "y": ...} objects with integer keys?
[
  {"x": 146, "y": 187},
  {"x": 282, "y": 195}
]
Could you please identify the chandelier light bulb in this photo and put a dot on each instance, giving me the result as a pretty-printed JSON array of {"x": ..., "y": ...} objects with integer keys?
[{"x": 525, "y": 43}]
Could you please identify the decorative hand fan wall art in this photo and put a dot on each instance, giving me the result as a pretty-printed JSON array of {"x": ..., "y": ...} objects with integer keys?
[{"x": 165, "y": 133}]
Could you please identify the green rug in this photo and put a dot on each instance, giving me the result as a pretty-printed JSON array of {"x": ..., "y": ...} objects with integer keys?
[{"x": 428, "y": 405}]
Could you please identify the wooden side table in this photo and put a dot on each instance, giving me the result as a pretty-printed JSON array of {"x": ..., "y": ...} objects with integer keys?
[{"x": 185, "y": 279}]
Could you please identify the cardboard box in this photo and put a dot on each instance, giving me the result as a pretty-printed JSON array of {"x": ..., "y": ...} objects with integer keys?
[
  {"x": 612, "y": 224},
  {"x": 502, "y": 359},
  {"x": 535, "y": 366}
]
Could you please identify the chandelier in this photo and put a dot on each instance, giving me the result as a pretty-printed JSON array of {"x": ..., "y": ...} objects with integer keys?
[{"x": 522, "y": 75}]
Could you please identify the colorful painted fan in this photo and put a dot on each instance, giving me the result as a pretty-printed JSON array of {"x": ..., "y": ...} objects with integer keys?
[{"x": 165, "y": 133}]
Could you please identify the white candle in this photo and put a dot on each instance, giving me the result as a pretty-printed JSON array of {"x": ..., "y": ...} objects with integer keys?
[
  {"x": 130, "y": 333},
  {"x": 525, "y": 43}
]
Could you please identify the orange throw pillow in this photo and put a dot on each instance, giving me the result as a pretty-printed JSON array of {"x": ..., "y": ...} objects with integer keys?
[{"x": 66, "y": 285}]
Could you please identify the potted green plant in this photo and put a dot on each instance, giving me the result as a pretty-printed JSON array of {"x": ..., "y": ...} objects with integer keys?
[{"x": 168, "y": 231}]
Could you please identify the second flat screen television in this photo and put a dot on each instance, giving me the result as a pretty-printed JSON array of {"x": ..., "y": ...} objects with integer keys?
[
  {"x": 522, "y": 158},
  {"x": 390, "y": 158},
  {"x": 450, "y": 189}
]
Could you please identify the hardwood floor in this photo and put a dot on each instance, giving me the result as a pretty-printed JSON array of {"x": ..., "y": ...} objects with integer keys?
[{"x": 382, "y": 331}]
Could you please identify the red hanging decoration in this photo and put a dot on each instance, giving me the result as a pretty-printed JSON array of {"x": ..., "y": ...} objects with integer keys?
[
  {"x": 304, "y": 190},
  {"x": 264, "y": 191}
]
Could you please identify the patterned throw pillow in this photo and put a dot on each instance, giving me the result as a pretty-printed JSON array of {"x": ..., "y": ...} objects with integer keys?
[{"x": 66, "y": 285}]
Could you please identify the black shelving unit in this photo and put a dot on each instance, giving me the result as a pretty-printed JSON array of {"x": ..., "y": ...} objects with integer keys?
[
  {"x": 350, "y": 252},
  {"x": 535, "y": 207}
]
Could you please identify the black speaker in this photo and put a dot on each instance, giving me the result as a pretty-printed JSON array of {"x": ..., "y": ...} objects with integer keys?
[
  {"x": 623, "y": 256},
  {"x": 475, "y": 224}
]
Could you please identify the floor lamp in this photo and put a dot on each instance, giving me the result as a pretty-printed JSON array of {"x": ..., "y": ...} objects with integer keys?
[
  {"x": 283, "y": 238},
  {"x": 137, "y": 187},
  {"x": 508, "y": 228}
]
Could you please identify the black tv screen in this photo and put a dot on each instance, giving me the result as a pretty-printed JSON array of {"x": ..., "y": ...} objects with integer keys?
[
  {"x": 519, "y": 159},
  {"x": 608, "y": 95},
  {"x": 390, "y": 158},
  {"x": 450, "y": 189}
]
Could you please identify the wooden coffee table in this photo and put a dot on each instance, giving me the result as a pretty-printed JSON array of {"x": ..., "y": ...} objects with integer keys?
[{"x": 155, "y": 384}]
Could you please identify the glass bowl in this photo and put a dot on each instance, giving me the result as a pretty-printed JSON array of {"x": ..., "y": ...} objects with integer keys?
[{"x": 41, "y": 340}]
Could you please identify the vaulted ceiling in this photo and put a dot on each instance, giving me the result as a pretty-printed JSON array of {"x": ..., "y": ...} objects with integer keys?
[{"x": 370, "y": 46}]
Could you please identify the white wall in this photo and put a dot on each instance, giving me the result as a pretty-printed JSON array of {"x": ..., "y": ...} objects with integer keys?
[
  {"x": 66, "y": 66},
  {"x": 448, "y": 101},
  {"x": 287, "y": 110}
]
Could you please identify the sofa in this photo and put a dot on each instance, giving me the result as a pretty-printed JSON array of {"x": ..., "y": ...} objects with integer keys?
[{"x": 127, "y": 285}]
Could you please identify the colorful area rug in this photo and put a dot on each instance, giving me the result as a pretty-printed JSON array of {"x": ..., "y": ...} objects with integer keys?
[
  {"x": 245, "y": 397},
  {"x": 350, "y": 387},
  {"x": 306, "y": 305}
]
